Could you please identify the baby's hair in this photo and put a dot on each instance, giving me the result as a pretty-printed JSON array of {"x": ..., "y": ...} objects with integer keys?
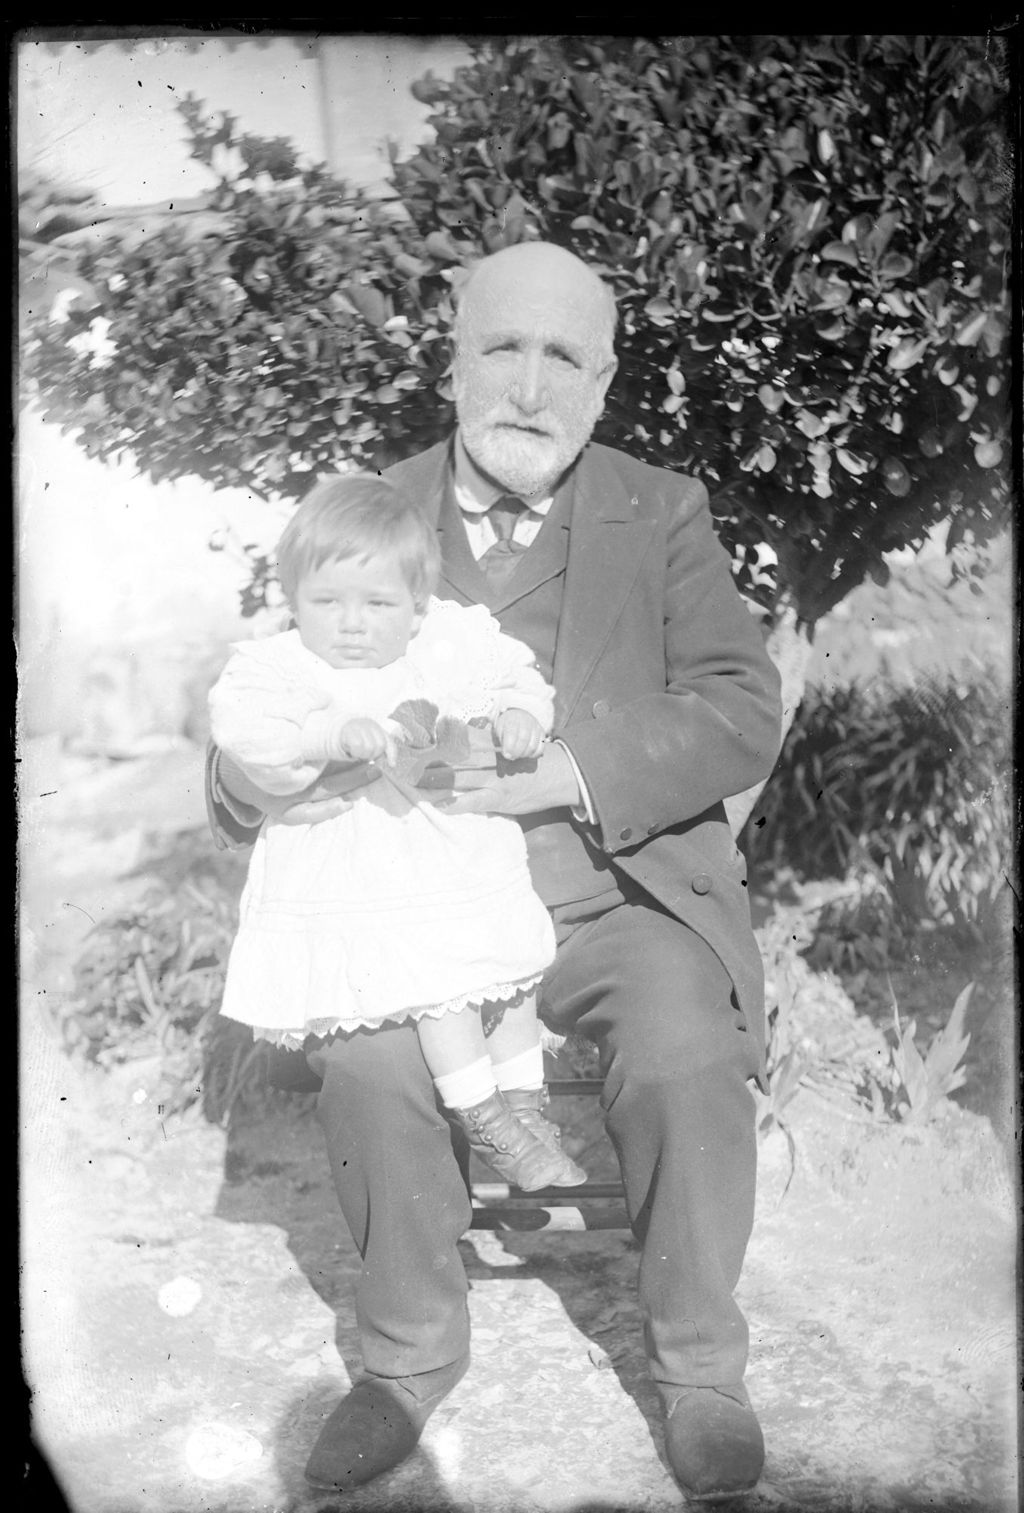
[{"x": 358, "y": 515}]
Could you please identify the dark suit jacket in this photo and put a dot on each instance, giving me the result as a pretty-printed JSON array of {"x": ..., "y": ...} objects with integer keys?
[{"x": 664, "y": 693}]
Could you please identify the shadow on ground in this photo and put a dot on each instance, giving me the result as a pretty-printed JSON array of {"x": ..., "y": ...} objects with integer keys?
[
  {"x": 275, "y": 1172},
  {"x": 873, "y": 1396}
]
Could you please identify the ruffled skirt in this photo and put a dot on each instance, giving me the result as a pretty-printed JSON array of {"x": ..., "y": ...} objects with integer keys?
[{"x": 391, "y": 911}]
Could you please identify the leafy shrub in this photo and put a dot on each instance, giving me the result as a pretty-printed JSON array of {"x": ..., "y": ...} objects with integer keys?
[
  {"x": 909, "y": 782},
  {"x": 807, "y": 236},
  {"x": 770, "y": 210},
  {"x": 817, "y": 1038},
  {"x": 814, "y": 1031},
  {"x": 148, "y": 984}
]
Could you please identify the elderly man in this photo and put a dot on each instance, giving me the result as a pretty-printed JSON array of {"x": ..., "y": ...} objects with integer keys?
[{"x": 666, "y": 704}]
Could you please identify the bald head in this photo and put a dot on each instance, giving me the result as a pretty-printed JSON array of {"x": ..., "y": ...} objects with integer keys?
[{"x": 531, "y": 275}]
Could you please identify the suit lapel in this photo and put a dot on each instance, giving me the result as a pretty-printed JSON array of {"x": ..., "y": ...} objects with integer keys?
[
  {"x": 428, "y": 479},
  {"x": 607, "y": 542}
]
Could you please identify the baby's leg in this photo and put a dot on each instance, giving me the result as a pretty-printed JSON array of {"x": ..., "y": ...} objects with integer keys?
[
  {"x": 455, "y": 1051},
  {"x": 512, "y": 1033},
  {"x": 475, "y": 1050}
]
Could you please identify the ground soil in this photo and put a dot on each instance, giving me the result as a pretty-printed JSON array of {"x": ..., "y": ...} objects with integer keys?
[{"x": 187, "y": 1289}]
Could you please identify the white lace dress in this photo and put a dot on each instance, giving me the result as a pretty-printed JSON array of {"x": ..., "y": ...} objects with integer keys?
[{"x": 394, "y": 909}]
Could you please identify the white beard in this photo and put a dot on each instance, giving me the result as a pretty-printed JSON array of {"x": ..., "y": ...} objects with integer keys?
[{"x": 525, "y": 465}]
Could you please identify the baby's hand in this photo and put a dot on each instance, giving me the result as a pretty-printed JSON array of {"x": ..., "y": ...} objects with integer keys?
[
  {"x": 518, "y": 734},
  {"x": 362, "y": 740}
]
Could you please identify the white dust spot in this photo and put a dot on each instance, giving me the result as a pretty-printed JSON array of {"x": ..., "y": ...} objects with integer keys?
[
  {"x": 179, "y": 1297},
  {"x": 217, "y": 1450}
]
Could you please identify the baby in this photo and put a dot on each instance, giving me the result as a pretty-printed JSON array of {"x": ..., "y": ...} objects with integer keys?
[{"x": 394, "y": 910}]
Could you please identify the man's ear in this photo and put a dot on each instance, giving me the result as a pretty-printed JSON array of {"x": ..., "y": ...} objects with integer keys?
[{"x": 605, "y": 377}]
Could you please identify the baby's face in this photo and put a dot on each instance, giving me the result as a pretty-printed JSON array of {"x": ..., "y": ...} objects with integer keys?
[{"x": 357, "y": 612}]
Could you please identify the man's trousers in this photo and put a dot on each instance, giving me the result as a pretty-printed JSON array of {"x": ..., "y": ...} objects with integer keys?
[{"x": 676, "y": 1058}]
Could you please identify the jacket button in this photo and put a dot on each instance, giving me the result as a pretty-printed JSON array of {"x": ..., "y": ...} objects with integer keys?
[
  {"x": 601, "y": 708},
  {"x": 624, "y": 835},
  {"x": 701, "y": 883}
]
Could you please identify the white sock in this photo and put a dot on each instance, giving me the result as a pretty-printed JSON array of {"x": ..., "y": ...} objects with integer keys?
[
  {"x": 525, "y": 1071},
  {"x": 468, "y": 1085}
]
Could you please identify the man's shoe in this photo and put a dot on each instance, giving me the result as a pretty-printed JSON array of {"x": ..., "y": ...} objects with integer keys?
[
  {"x": 377, "y": 1425},
  {"x": 713, "y": 1441}
]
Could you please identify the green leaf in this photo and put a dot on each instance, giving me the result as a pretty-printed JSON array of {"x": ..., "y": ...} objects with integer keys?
[
  {"x": 911, "y": 1069},
  {"x": 968, "y": 333},
  {"x": 839, "y": 252},
  {"x": 660, "y": 311},
  {"x": 895, "y": 266},
  {"x": 441, "y": 246},
  {"x": 418, "y": 718},
  {"x": 369, "y": 302},
  {"x": 948, "y": 1048},
  {"x": 881, "y": 234},
  {"x": 857, "y": 228},
  {"x": 453, "y": 744},
  {"x": 810, "y": 425},
  {"x": 773, "y": 399},
  {"x": 905, "y": 354}
]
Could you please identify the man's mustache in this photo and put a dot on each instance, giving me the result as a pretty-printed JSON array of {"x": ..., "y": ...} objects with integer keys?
[{"x": 527, "y": 427}]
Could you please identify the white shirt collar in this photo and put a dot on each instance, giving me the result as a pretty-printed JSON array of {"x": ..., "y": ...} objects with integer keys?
[{"x": 475, "y": 493}]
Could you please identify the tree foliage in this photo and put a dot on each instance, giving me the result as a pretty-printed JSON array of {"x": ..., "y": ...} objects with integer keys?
[{"x": 808, "y": 238}]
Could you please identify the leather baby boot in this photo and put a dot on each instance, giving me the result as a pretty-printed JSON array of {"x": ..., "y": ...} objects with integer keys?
[
  {"x": 529, "y": 1106},
  {"x": 512, "y": 1150}
]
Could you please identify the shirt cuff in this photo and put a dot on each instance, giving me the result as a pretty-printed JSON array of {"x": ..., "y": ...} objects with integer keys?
[
  {"x": 221, "y": 769},
  {"x": 584, "y": 810}
]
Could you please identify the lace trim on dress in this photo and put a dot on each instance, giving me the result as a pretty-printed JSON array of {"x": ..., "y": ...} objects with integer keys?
[
  {"x": 466, "y": 697},
  {"x": 293, "y": 1040}
]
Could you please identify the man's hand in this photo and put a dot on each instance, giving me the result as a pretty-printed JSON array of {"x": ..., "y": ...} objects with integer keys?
[
  {"x": 328, "y": 797},
  {"x": 547, "y": 782},
  {"x": 332, "y": 794}
]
